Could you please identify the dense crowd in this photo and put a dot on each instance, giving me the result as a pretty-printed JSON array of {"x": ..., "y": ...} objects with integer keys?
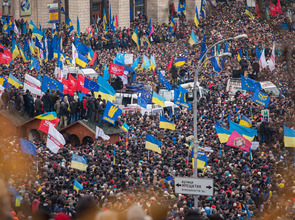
[{"x": 140, "y": 185}]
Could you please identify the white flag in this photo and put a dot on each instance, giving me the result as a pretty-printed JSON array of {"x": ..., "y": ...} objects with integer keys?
[
  {"x": 262, "y": 61},
  {"x": 100, "y": 133},
  {"x": 55, "y": 140},
  {"x": 33, "y": 85},
  {"x": 16, "y": 30},
  {"x": 75, "y": 54},
  {"x": 271, "y": 61}
]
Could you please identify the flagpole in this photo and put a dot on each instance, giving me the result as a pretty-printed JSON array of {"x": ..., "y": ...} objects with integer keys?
[{"x": 148, "y": 155}]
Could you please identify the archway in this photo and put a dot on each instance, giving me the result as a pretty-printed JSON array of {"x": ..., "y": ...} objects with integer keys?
[
  {"x": 87, "y": 140},
  {"x": 74, "y": 140},
  {"x": 34, "y": 135}
]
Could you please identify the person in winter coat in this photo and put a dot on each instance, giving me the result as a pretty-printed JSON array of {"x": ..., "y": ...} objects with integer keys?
[
  {"x": 63, "y": 115},
  {"x": 57, "y": 107},
  {"x": 38, "y": 106}
]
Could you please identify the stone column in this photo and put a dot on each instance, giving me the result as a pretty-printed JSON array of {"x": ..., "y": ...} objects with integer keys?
[
  {"x": 158, "y": 11},
  {"x": 121, "y": 8},
  {"x": 191, "y": 8},
  {"x": 80, "y": 8}
]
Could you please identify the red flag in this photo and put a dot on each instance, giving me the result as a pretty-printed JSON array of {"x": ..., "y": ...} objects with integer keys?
[
  {"x": 238, "y": 141},
  {"x": 257, "y": 10},
  {"x": 72, "y": 82},
  {"x": 174, "y": 28},
  {"x": 173, "y": 9},
  {"x": 116, "y": 21},
  {"x": 279, "y": 8},
  {"x": 170, "y": 64},
  {"x": 272, "y": 8},
  {"x": 80, "y": 85},
  {"x": 89, "y": 29},
  {"x": 117, "y": 70},
  {"x": 5, "y": 55},
  {"x": 93, "y": 59},
  {"x": 127, "y": 140},
  {"x": 66, "y": 89},
  {"x": 44, "y": 124}
]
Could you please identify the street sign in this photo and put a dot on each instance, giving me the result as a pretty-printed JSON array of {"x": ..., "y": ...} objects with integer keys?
[
  {"x": 193, "y": 186},
  {"x": 265, "y": 115},
  {"x": 52, "y": 6}
]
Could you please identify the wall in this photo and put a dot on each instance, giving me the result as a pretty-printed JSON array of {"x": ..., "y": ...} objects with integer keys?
[{"x": 121, "y": 8}]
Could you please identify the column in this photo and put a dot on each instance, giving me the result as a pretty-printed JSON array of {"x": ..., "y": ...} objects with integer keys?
[
  {"x": 121, "y": 8},
  {"x": 158, "y": 11},
  {"x": 80, "y": 8},
  {"x": 191, "y": 8}
]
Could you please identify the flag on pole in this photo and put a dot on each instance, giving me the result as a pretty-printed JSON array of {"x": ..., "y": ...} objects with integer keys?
[
  {"x": 193, "y": 39},
  {"x": 28, "y": 147},
  {"x": 262, "y": 61},
  {"x": 55, "y": 140},
  {"x": 100, "y": 133},
  {"x": 271, "y": 62},
  {"x": 238, "y": 141},
  {"x": 78, "y": 162}
]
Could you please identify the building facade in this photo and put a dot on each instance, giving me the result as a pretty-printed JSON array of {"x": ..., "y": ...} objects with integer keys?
[{"x": 92, "y": 10}]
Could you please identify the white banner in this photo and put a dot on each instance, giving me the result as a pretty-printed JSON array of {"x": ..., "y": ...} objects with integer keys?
[
  {"x": 55, "y": 140},
  {"x": 128, "y": 59},
  {"x": 124, "y": 77},
  {"x": 100, "y": 133},
  {"x": 33, "y": 85}
]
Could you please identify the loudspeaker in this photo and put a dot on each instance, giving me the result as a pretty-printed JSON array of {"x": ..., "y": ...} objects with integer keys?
[{"x": 237, "y": 73}]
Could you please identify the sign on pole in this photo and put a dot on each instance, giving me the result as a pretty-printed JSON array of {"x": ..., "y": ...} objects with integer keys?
[
  {"x": 194, "y": 186},
  {"x": 265, "y": 115}
]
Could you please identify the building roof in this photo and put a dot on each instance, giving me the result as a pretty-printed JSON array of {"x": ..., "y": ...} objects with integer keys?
[{"x": 16, "y": 119}]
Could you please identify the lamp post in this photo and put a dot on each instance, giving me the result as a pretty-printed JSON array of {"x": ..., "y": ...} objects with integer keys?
[{"x": 195, "y": 106}]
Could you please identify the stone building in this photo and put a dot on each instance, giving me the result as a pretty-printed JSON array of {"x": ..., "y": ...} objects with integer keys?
[{"x": 89, "y": 10}]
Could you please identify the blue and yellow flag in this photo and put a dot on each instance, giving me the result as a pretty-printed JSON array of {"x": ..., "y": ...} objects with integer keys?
[
  {"x": 47, "y": 116},
  {"x": 125, "y": 127},
  {"x": 180, "y": 61},
  {"x": 112, "y": 24},
  {"x": 289, "y": 137},
  {"x": 14, "y": 49},
  {"x": 203, "y": 9},
  {"x": 193, "y": 39},
  {"x": 106, "y": 74},
  {"x": 248, "y": 12},
  {"x": 81, "y": 60},
  {"x": 157, "y": 99},
  {"x": 151, "y": 143},
  {"x": 179, "y": 97},
  {"x": 32, "y": 25},
  {"x": 290, "y": 15},
  {"x": 240, "y": 55},
  {"x": 104, "y": 18},
  {"x": 203, "y": 48},
  {"x": 77, "y": 186},
  {"x": 3, "y": 81},
  {"x": 111, "y": 113},
  {"x": 246, "y": 122},
  {"x": 24, "y": 56},
  {"x": 165, "y": 123},
  {"x": 135, "y": 37},
  {"x": 14, "y": 81},
  {"x": 106, "y": 91},
  {"x": 78, "y": 162},
  {"x": 34, "y": 64},
  {"x": 202, "y": 159},
  {"x": 62, "y": 9},
  {"x": 5, "y": 27},
  {"x": 181, "y": 8},
  {"x": 261, "y": 98},
  {"x": 51, "y": 84},
  {"x": 247, "y": 133},
  {"x": 196, "y": 18},
  {"x": 37, "y": 33},
  {"x": 249, "y": 84},
  {"x": 222, "y": 133},
  {"x": 69, "y": 25}
]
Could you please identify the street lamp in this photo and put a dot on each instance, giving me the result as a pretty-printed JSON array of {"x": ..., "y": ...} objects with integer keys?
[{"x": 195, "y": 106}]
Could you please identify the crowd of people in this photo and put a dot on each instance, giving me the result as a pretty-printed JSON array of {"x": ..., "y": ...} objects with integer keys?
[{"x": 124, "y": 180}]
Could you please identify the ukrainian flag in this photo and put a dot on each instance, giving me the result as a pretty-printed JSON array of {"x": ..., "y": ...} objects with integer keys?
[
  {"x": 289, "y": 137},
  {"x": 81, "y": 60},
  {"x": 202, "y": 160},
  {"x": 196, "y": 19},
  {"x": 135, "y": 37},
  {"x": 222, "y": 133},
  {"x": 106, "y": 91},
  {"x": 193, "y": 39},
  {"x": 24, "y": 56},
  {"x": 246, "y": 122},
  {"x": 69, "y": 25},
  {"x": 77, "y": 186},
  {"x": 180, "y": 62},
  {"x": 247, "y": 133},
  {"x": 14, "y": 81},
  {"x": 248, "y": 12},
  {"x": 165, "y": 123},
  {"x": 47, "y": 116},
  {"x": 32, "y": 25},
  {"x": 125, "y": 127},
  {"x": 37, "y": 33},
  {"x": 105, "y": 28},
  {"x": 157, "y": 99},
  {"x": 153, "y": 144},
  {"x": 78, "y": 162},
  {"x": 14, "y": 49}
]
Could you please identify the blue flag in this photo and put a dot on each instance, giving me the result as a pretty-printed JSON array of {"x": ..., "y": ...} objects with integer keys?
[
  {"x": 179, "y": 97},
  {"x": 141, "y": 102},
  {"x": 3, "y": 81},
  {"x": 164, "y": 81},
  {"x": 51, "y": 84},
  {"x": 81, "y": 48},
  {"x": 250, "y": 84},
  {"x": 28, "y": 147},
  {"x": 106, "y": 74},
  {"x": 261, "y": 98},
  {"x": 146, "y": 96},
  {"x": 111, "y": 113},
  {"x": 91, "y": 85},
  {"x": 257, "y": 52}
]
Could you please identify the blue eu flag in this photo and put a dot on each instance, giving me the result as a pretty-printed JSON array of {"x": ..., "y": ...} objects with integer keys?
[
  {"x": 146, "y": 96},
  {"x": 261, "y": 98},
  {"x": 51, "y": 84},
  {"x": 91, "y": 85},
  {"x": 81, "y": 48},
  {"x": 141, "y": 102},
  {"x": 250, "y": 84},
  {"x": 28, "y": 147},
  {"x": 164, "y": 81}
]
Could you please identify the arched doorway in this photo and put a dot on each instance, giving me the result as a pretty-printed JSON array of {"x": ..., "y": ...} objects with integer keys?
[
  {"x": 34, "y": 135},
  {"x": 87, "y": 140},
  {"x": 74, "y": 140}
]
